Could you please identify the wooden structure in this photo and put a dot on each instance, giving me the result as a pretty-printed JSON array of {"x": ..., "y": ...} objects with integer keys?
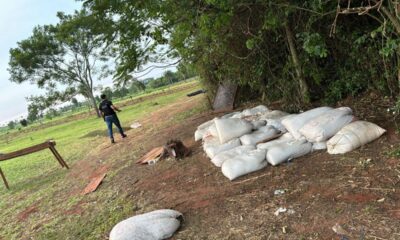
[{"x": 39, "y": 147}]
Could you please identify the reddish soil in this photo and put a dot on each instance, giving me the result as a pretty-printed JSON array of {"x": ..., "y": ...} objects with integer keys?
[
  {"x": 22, "y": 216},
  {"x": 321, "y": 189}
]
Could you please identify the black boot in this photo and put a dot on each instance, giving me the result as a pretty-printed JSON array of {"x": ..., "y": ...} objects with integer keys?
[
  {"x": 112, "y": 140},
  {"x": 123, "y": 135}
]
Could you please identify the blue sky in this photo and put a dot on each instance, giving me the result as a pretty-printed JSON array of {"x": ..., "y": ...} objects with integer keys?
[{"x": 17, "y": 19}]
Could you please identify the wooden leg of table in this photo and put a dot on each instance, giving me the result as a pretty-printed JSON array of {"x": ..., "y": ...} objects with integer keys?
[
  {"x": 4, "y": 179},
  {"x": 58, "y": 156}
]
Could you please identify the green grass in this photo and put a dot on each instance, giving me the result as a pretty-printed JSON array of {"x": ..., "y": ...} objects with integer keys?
[{"x": 38, "y": 180}]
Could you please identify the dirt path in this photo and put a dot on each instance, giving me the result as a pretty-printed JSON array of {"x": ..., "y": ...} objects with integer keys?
[{"x": 321, "y": 190}]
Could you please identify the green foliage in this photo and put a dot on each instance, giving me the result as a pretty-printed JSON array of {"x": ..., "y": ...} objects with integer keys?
[{"x": 248, "y": 43}]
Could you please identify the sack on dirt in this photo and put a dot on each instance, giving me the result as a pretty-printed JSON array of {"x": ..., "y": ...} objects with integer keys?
[
  {"x": 221, "y": 157},
  {"x": 353, "y": 136},
  {"x": 156, "y": 225},
  {"x": 230, "y": 115},
  {"x": 247, "y": 162},
  {"x": 287, "y": 137},
  {"x": 261, "y": 134},
  {"x": 231, "y": 128},
  {"x": 293, "y": 124},
  {"x": 287, "y": 151},
  {"x": 255, "y": 111},
  {"x": 202, "y": 130},
  {"x": 212, "y": 146},
  {"x": 327, "y": 124}
]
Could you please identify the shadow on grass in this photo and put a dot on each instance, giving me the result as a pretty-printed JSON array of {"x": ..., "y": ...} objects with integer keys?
[{"x": 102, "y": 133}]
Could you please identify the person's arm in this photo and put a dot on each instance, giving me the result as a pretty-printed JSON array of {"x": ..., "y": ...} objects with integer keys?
[{"x": 115, "y": 108}]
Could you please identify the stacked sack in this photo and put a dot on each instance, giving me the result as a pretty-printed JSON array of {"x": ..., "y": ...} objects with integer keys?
[{"x": 244, "y": 142}]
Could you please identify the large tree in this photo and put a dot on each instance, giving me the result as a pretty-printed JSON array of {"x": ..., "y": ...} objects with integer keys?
[{"x": 68, "y": 55}]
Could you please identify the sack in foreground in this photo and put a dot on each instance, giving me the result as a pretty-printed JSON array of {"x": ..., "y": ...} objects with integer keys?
[
  {"x": 353, "y": 136},
  {"x": 156, "y": 225}
]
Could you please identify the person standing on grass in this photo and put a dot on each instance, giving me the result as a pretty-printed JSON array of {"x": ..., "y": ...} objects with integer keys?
[{"x": 108, "y": 112}]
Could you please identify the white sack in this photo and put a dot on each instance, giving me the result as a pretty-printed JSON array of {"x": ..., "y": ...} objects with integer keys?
[
  {"x": 286, "y": 151},
  {"x": 260, "y": 135},
  {"x": 229, "y": 115},
  {"x": 319, "y": 146},
  {"x": 275, "y": 114},
  {"x": 245, "y": 163},
  {"x": 353, "y": 136},
  {"x": 156, "y": 225},
  {"x": 212, "y": 146},
  {"x": 231, "y": 128},
  {"x": 287, "y": 137},
  {"x": 258, "y": 124},
  {"x": 255, "y": 111},
  {"x": 202, "y": 130},
  {"x": 277, "y": 122},
  {"x": 231, "y": 153},
  {"x": 326, "y": 125},
  {"x": 293, "y": 124}
]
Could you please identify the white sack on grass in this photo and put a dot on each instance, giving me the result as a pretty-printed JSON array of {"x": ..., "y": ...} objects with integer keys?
[
  {"x": 255, "y": 111},
  {"x": 286, "y": 151},
  {"x": 319, "y": 146},
  {"x": 258, "y": 124},
  {"x": 353, "y": 136},
  {"x": 287, "y": 137},
  {"x": 245, "y": 163},
  {"x": 231, "y": 128},
  {"x": 293, "y": 124},
  {"x": 275, "y": 114},
  {"x": 260, "y": 135},
  {"x": 326, "y": 125},
  {"x": 156, "y": 225},
  {"x": 212, "y": 146},
  {"x": 231, "y": 153}
]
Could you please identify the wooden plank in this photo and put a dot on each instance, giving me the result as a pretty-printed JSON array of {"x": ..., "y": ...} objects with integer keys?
[
  {"x": 58, "y": 156},
  {"x": 4, "y": 179},
  {"x": 27, "y": 150}
]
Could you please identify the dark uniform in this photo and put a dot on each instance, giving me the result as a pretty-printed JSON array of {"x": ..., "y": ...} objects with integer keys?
[{"x": 110, "y": 117}]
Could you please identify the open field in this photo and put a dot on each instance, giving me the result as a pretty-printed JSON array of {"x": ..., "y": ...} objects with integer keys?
[{"x": 45, "y": 201}]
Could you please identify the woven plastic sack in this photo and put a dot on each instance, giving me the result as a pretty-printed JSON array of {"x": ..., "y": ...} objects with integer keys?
[
  {"x": 319, "y": 146},
  {"x": 202, "y": 130},
  {"x": 287, "y": 137},
  {"x": 353, "y": 136},
  {"x": 212, "y": 146},
  {"x": 261, "y": 109},
  {"x": 231, "y": 128},
  {"x": 277, "y": 122},
  {"x": 258, "y": 124},
  {"x": 220, "y": 158},
  {"x": 261, "y": 134},
  {"x": 245, "y": 163},
  {"x": 327, "y": 124},
  {"x": 275, "y": 114},
  {"x": 293, "y": 124},
  {"x": 286, "y": 151},
  {"x": 156, "y": 225}
]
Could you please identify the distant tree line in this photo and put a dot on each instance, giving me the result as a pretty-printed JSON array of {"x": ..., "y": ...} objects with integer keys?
[{"x": 45, "y": 107}]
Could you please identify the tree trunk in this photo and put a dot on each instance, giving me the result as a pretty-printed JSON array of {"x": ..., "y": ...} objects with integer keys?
[
  {"x": 293, "y": 52},
  {"x": 94, "y": 104}
]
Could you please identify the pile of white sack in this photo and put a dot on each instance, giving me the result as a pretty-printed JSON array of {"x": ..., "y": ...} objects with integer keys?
[{"x": 244, "y": 142}]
